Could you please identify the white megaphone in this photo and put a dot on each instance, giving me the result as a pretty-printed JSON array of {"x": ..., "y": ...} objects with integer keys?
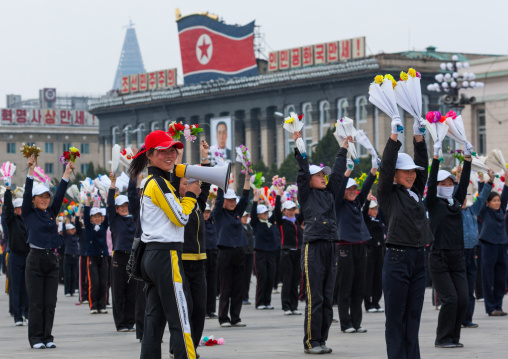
[{"x": 217, "y": 175}]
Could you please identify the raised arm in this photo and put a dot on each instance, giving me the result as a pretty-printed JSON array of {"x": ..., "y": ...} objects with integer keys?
[
  {"x": 8, "y": 208},
  {"x": 387, "y": 169},
  {"x": 133, "y": 195},
  {"x": 27, "y": 207},
  {"x": 254, "y": 220},
  {"x": 337, "y": 178},
  {"x": 111, "y": 208},
  {"x": 504, "y": 197},
  {"x": 86, "y": 217},
  {"x": 277, "y": 212},
  {"x": 461, "y": 193},
  {"x": 62, "y": 187},
  {"x": 367, "y": 186},
  {"x": 431, "y": 198},
  {"x": 421, "y": 158},
  {"x": 481, "y": 200}
]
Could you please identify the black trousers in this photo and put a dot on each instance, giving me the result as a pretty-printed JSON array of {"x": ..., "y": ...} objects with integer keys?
[
  {"x": 195, "y": 280},
  {"x": 291, "y": 273},
  {"x": 123, "y": 291},
  {"x": 478, "y": 287},
  {"x": 448, "y": 272},
  {"x": 404, "y": 290},
  {"x": 277, "y": 275},
  {"x": 373, "y": 276},
  {"x": 232, "y": 274},
  {"x": 211, "y": 280},
  {"x": 97, "y": 282},
  {"x": 71, "y": 273},
  {"x": 249, "y": 265},
  {"x": 471, "y": 269},
  {"x": 351, "y": 273},
  {"x": 319, "y": 265},
  {"x": 494, "y": 269},
  {"x": 264, "y": 265},
  {"x": 166, "y": 301},
  {"x": 83, "y": 279},
  {"x": 19, "y": 295},
  {"x": 140, "y": 308},
  {"x": 41, "y": 277}
]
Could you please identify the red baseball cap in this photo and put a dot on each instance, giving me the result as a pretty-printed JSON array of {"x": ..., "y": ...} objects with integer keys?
[{"x": 159, "y": 140}]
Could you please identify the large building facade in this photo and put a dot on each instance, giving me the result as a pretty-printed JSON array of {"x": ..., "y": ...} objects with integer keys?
[{"x": 322, "y": 93}]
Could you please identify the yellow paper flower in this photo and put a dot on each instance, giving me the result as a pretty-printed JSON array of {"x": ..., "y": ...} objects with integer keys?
[
  {"x": 290, "y": 120},
  {"x": 412, "y": 72},
  {"x": 378, "y": 79},
  {"x": 73, "y": 149},
  {"x": 403, "y": 76},
  {"x": 389, "y": 77},
  {"x": 394, "y": 83}
]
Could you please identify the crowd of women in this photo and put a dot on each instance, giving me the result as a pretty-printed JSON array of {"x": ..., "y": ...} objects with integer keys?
[{"x": 335, "y": 244}]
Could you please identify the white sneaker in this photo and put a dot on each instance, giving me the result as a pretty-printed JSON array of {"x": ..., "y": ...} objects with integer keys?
[
  {"x": 372, "y": 310},
  {"x": 226, "y": 325},
  {"x": 269, "y": 307},
  {"x": 68, "y": 295},
  {"x": 50, "y": 345},
  {"x": 297, "y": 312},
  {"x": 94, "y": 311},
  {"x": 261, "y": 307},
  {"x": 109, "y": 306},
  {"x": 39, "y": 346},
  {"x": 361, "y": 330},
  {"x": 288, "y": 312},
  {"x": 103, "y": 311},
  {"x": 19, "y": 323},
  {"x": 85, "y": 302},
  {"x": 380, "y": 310},
  {"x": 350, "y": 330}
]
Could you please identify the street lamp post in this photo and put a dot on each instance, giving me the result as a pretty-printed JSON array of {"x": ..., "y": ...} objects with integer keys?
[{"x": 450, "y": 82}]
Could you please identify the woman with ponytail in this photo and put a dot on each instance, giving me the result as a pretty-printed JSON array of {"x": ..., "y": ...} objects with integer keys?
[{"x": 162, "y": 218}]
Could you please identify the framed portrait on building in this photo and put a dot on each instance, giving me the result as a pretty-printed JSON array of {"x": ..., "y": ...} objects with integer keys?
[{"x": 221, "y": 133}]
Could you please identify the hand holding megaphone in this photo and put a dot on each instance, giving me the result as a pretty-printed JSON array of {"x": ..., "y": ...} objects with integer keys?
[{"x": 193, "y": 187}]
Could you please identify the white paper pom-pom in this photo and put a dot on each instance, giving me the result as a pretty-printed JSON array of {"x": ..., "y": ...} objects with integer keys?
[
  {"x": 453, "y": 84},
  {"x": 445, "y": 85},
  {"x": 472, "y": 84},
  {"x": 439, "y": 77},
  {"x": 455, "y": 75},
  {"x": 459, "y": 65},
  {"x": 465, "y": 84},
  {"x": 465, "y": 75},
  {"x": 430, "y": 87},
  {"x": 447, "y": 77},
  {"x": 449, "y": 66},
  {"x": 443, "y": 66},
  {"x": 455, "y": 58},
  {"x": 466, "y": 65},
  {"x": 472, "y": 76}
]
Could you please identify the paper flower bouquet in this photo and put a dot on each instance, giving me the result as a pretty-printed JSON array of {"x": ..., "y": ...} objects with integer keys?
[
  {"x": 294, "y": 123},
  {"x": 382, "y": 95}
]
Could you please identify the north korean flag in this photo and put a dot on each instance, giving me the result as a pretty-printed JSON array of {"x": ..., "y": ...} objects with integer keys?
[{"x": 211, "y": 49}]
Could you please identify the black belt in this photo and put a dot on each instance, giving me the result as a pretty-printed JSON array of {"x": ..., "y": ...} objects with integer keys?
[
  {"x": 42, "y": 250},
  {"x": 122, "y": 252}
]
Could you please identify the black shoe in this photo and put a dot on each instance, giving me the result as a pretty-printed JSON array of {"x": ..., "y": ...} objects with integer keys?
[
  {"x": 459, "y": 345},
  {"x": 470, "y": 325},
  {"x": 326, "y": 350},
  {"x": 446, "y": 345}
]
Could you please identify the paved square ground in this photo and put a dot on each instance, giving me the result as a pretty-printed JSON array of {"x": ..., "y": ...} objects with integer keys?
[{"x": 269, "y": 334}]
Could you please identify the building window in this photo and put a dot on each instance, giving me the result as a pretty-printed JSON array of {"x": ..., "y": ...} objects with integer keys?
[
  {"x": 342, "y": 106},
  {"x": 48, "y": 168},
  {"x": 84, "y": 167},
  {"x": 48, "y": 147},
  {"x": 155, "y": 126},
  {"x": 30, "y": 143},
  {"x": 324, "y": 118},
  {"x": 66, "y": 146},
  {"x": 115, "y": 131},
  {"x": 140, "y": 134},
  {"x": 11, "y": 147},
  {"x": 307, "y": 129},
  {"x": 482, "y": 132},
  {"x": 85, "y": 148},
  {"x": 361, "y": 109},
  {"x": 127, "y": 130}
]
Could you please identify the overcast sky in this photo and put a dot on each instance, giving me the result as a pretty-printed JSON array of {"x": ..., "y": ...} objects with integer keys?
[{"x": 75, "y": 45}]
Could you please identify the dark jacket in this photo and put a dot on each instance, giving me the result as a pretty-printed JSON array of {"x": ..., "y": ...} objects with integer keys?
[
  {"x": 291, "y": 233},
  {"x": 264, "y": 236},
  {"x": 470, "y": 217},
  {"x": 445, "y": 219},
  {"x": 41, "y": 225},
  {"x": 18, "y": 234},
  {"x": 194, "y": 244},
  {"x": 494, "y": 222},
  {"x": 211, "y": 234},
  {"x": 97, "y": 245},
  {"x": 318, "y": 205},
  {"x": 71, "y": 243},
  {"x": 229, "y": 225},
  {"x": 83, "y": 239},
  {"x": 406, "y": 219},
  {"x": 122, "y": 227},
  {"x": 249, "y": 235},
  {"x": 376, "y": 227},
  {"x": 350, "y": 222}
]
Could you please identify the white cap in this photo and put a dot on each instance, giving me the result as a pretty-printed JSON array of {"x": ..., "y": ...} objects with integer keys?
[
  {"x": 262, "y": 209},
  {"x": 69, "y": 226},
  {"x": 350, "y": 183},
  {"x": 442, "y": 175},
  {"x": 230, "y": 194},
  {"x": 121, "y": 199},
  {"x": 313, "y": 169},
  {"x": 208, "y": 208},
  {"x": 142, "y": 184},
  {"x": 18, "y": 202},
  {"x": 405, "y": 162},
  {"x": 96, "y": 210},
  {"x": 288, "y": 205},
  {"x": 41, "y": 189},
  {"x": 245, "y": 214},
  {"x": 373, "y": 204}
]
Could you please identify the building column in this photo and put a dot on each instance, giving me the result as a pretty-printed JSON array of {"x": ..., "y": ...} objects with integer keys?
[
  {"x": 252, "y": 134},
  {"x": 267, "y": 138}
]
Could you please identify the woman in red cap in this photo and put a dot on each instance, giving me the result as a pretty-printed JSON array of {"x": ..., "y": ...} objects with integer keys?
[{"x": 162, "y": 219}]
